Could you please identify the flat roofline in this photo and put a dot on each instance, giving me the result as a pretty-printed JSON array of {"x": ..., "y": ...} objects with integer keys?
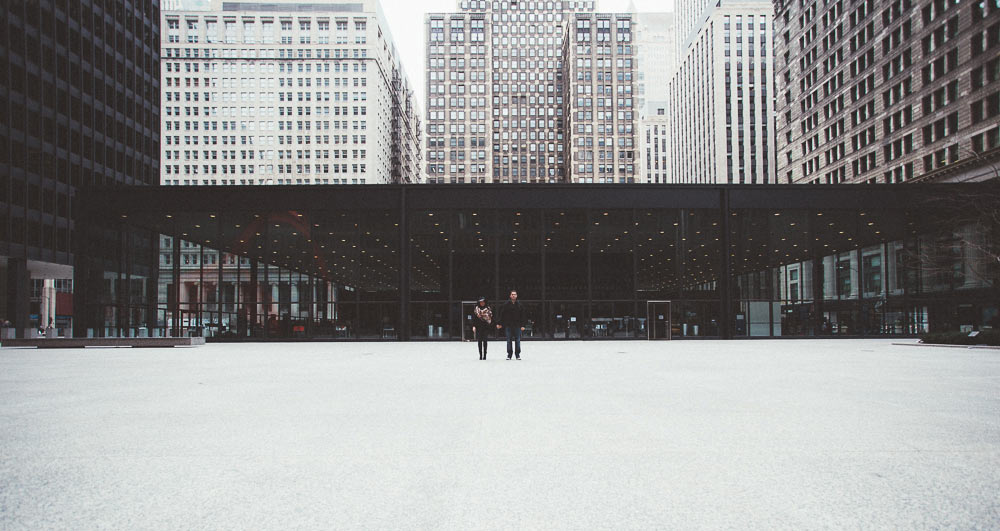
[{"x": 100, "y": 201}]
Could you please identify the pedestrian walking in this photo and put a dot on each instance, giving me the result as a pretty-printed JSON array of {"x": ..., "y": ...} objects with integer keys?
[
  {"x": 482, "y": 323},
  {"x": 511, "y": 317}
]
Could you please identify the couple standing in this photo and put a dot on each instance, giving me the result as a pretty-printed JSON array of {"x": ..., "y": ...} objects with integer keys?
[{"x": 510, "y": 317}]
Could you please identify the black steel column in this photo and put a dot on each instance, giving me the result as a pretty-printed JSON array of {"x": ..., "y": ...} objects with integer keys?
[
  {"x": 771, "y": 299},
  {"x": 152, "y": 285},
  {"x": 129, "y": 263},
  {"x": 543, "y": 311},
  {"x": 452, "y": 314},
  {"x": 312, "y": 304},
  {"x": 884, "y": 289},
  {"x": 904, "y": 263},
  {"x": 220, "y": 257},
  {"x": 253, "y": 291},
  {"x": 496, "y": 257},
  {"x": 18, "y": 295},
  {"x": 817, "y": 275},
  {"x": 122, "y": 287},
  {"x": 266, "y": 292},
  {"x": 860, "y": 303},
  {"x": 81, "y": 268},
  {"x": 635, "y": 270},
  {"x": 175, "y": 308},
  {"x": 404, "y": 268},
  {"x": 200, "y": 305},
  {"x": 680, "y": 246},
  {"x": 590, "y": 274},
  {"x": 726, "y": 269}
]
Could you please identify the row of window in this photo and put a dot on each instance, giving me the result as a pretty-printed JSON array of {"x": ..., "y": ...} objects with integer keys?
[
  {"x": 250, "y": 169},
  {"x": 252, "y": 112},
  {"x": 265, "y": 53},
  {"x": 264, "y": 97},
  {"x": 265, "y": 67},
  {"x": 282, "y": 125},
  {"x": 261, "y": 181},
  {"x": 263, "y": 154},
  {"x": 266, "y": 25}
]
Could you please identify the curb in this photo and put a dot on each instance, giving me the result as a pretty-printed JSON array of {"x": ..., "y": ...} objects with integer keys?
[{"x": 983, "y": 347}]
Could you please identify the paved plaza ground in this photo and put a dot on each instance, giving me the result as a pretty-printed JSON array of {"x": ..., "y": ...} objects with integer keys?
[{"x": 579, "y": 435}]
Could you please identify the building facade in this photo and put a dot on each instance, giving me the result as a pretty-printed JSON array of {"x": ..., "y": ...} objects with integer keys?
[
  {"x": 689, "y": 18},
  {"x": 79, "y": 93},
  {"x": 656, "y": 41},
  {"x": 888, "y": 92},
  {"x": 657, "y": 45},
  {"x": 654, "y": 144},
  {"x": 602, "y": 73},
  {"x": 588, "y": 262},
  {"x": 285, "y": 92},
  {"x": 503, "y": 100},
  {"x": 722, "y": 95}
]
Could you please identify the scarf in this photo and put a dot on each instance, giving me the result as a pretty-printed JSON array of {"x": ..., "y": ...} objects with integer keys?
[{"x": 485, "y": 314}]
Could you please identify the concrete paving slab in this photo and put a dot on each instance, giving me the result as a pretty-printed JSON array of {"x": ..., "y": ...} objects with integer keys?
[{"x": 788, "y": 434}]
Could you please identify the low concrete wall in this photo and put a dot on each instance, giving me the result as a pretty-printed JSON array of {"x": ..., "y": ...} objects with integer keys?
[{"x": 139, "y": 342}]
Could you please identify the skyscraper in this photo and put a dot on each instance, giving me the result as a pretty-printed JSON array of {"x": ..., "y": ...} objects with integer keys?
[
  {"x": 601, "y": 72},
  {"x": 888, "y": 92},
  {"x": 514, "y": 87},
  {"x": 722, "y": 95},
  {"x": 285, "y": 92},
  {"x": 79, "y": 89},
  {"x": 656, "y": 41},
  {"x": 656, "y": 164}
]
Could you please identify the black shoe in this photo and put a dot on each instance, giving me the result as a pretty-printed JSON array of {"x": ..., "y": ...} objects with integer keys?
[
  {"x": 508, "y": 358},
  {"x": 519, "y": 358}
]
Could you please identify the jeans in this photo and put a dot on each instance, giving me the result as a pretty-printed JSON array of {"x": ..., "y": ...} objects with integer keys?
[{"x": 513, "y": 334}]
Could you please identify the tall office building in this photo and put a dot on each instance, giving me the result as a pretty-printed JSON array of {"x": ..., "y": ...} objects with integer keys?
[
  {"x": 79, "y": 93},
  {"x": 654, "y": 143},
  {"x": 284, "y": 92},
  {"x": 656, "y": 42},
  {"x": 496, "y": 92},
  {"x": 690, "y": 17},
  {"x": 888, "y": 92},
  {"x": 601, "y": 72},
  {"x": 504, "y": 100},
  {"x": 722, "y": 95}
]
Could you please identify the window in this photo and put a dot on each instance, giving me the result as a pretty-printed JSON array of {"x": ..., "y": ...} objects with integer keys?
[
  {"x": 872, "y": 267},
  {"x": 844, "y": 277}
]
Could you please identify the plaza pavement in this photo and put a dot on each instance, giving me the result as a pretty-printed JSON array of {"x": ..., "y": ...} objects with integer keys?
[{"x": 787, "y": 434}]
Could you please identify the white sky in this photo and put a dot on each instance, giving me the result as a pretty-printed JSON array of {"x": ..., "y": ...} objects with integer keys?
[{"x": 406, "y": 22}]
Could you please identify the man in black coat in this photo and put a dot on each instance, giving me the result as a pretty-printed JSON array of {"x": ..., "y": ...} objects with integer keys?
[{"x": 512, "y": 318}]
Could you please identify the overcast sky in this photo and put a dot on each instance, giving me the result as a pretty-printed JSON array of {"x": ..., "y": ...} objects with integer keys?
[{"x": 406, "y": 22}]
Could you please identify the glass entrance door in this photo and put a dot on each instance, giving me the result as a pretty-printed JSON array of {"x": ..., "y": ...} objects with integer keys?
[{"x": 658, "y": 319}]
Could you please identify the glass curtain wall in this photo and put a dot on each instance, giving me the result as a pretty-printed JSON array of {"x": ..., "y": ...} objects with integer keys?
[
  {"x": 856, "y": 273},
  {"x": 581, "y": 273}
]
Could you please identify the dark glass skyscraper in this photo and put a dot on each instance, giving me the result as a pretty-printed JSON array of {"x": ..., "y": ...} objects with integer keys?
[{"x": 79, "y": 106}]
